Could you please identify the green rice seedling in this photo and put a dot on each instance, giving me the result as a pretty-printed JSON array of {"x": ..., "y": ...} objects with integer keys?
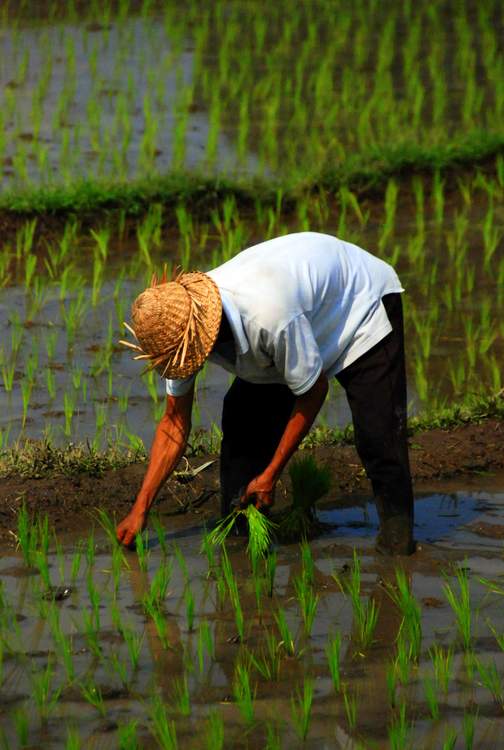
[
  {"x": 391, "y": 682},
  {"x": 26, "y": 392},
  {"x": 91, "y": 633},
  {"x": 221, "y": 590},
  {"x": 205, "y": 643},
  {"x": 8, "y": 372},
  {"x": 21, "y": 725},
  {"x": 260, "y": 530},
  {"x": 163, "y": 729},
  {"x": 308, "y": 602},
  {"x": 45, "y": 696},
  {"x": 411, "y": 625},
  {"x": 270, "y": 568},
  {"x": 350, "y": 704},
  {"x": 209, "y": 549},
  {"x": 492, "y": 586},
  {"x": 333, "y": 654},
  {"x": 118, "y": 560},
  {"x": 160, "y": 583},
  {"x": 160, "y": 533},
  {"x": 142, "y": 550},
  {"x": 431, "y": 697},
  {"x": 161, "y": 625},
  {"x": 234, "y": 595},
  {"x": 27, "y": 535},
  {"x": 243, "y": 693},
  {"x": 308, "y": 566},
  {"x": 134, "y": 643},
  {"x": 450, "y": 739},
  {"x": 365, "y": 616},
  {"x": 391, "y": 193},
  {"x": 50, "y": 341},
  {"x": 94, "y": 600},
  {"x": 42, "y": 564},
  {"x": 189, "y": 604},
  {"x": 90, "y": 550},
  {"x": 214, "y": 733},
  {"x": 468, "y": 728},
  {"x": 63, "y": 643},
  {"x": 442, "y": 661},
  {"x": 403, "y": 660},
  {"x": 301, "y": 706},
  {"x": 461, "y": 606},
  {"x": 108, "y": 525},
  {"x": 399, "y": 730},
  {"x": 259, "y": 584},
  {"x": 438, "y": 197},
  {"x": 309, "y": 483},
  {"x": 119, "y": 667},
  {"x": 182, "y": 562},
  {"x": 181, "y": 696},
  {"x": 51, "y": 383},
  {"x": 286, "y": 639},
  {"x": 491, "y": 678},
  {"x": 91, "y": 692},
  {"x": 127, "y": 736},
  {"x": 268, "y": 660},
  {"x": 273, "y": 736}
]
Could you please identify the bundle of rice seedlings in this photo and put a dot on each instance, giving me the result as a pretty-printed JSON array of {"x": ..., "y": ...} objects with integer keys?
[
  {"x": 309, "y": 482},
  {"x": 260, "y": 530}
]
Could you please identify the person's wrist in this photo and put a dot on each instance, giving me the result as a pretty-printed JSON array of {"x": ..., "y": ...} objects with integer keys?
[
  {"x": 140, "y": 509},
  {"x": 269, "y": 478}
]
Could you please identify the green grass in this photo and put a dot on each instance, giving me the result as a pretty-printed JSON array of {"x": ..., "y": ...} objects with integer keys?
[{"x": 362, "y": 174}]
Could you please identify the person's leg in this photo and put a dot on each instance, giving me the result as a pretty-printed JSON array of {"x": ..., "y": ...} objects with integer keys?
[
  {"x": 254, "y": 418},
  {"x": 375, "y": 386}
]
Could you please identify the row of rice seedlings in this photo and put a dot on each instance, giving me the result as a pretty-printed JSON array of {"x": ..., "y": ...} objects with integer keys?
[
  {"x": 480, "y": 338},
  {"x": 266, "y": 662},
  {"x": 365, "y": 615},
  {"x": 423, "y": 102}
]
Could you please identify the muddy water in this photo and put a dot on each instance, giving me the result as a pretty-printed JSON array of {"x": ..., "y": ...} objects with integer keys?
[
  {"x": 114, "y": 69},
  {"x": 449, "y": 530}
]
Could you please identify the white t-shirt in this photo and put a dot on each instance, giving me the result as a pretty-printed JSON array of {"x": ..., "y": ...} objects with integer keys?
[{"x": 299, "y": 305}]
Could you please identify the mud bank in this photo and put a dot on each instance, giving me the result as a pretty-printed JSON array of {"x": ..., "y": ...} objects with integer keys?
[{"x": 472, "y": 451}]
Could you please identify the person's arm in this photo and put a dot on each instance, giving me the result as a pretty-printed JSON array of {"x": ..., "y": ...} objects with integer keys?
[
  {"x": 167, "y": 449},
  {"x": 306, "y": 407}
]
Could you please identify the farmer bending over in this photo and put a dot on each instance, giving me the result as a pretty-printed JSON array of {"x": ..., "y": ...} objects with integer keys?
[{"x": 283, "y": 317}]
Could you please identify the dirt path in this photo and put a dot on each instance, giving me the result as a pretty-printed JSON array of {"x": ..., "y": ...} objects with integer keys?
[{"x": 70, "y": 501}]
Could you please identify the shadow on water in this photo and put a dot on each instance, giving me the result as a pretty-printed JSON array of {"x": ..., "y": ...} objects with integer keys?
[{"x": 453, "y": 519}]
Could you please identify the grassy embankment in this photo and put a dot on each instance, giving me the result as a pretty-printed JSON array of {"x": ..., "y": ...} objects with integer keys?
[
  {"x": 363, "y": 174},
  {"x": 42, "y": 458}
]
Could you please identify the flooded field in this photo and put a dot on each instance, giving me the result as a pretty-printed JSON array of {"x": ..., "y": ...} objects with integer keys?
[
  {"x": 327, "y": 645},
  {"x": 65, "y": 297},
  {"x": 137, "y": 135},
  {"x": 127, "y": 88}
]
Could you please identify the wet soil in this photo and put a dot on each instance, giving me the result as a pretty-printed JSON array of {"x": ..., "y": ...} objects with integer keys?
[{"x": 469, "y": 450}]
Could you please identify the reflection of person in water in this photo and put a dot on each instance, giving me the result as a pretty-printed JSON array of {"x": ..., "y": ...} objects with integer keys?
[{"x": 284, "y": 316}]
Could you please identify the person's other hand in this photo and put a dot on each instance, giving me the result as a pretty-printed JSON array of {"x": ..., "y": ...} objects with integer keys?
[
  {"x": 130, "y": 526},
  {"x": 260, "y": 491}
]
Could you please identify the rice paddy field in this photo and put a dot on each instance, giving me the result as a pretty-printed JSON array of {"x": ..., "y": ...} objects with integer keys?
[{"x": 135, "y": 135}]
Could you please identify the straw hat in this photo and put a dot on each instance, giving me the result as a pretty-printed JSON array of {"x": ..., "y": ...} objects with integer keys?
[{"x": 176, "y": 323}]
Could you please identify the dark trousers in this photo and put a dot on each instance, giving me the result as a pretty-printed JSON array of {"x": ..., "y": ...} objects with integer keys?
[{"x": 254, "y": 418}]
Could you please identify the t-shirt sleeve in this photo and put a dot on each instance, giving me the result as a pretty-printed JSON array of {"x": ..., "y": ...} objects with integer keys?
[
  {"x": 179, "y": 387},
  {"x": 297, "y": 356}
]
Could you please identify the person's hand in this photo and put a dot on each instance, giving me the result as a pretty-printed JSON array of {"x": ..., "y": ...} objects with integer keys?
[
  {"x": 260, "y": 491},
  {"x": 130, "y": 526}
]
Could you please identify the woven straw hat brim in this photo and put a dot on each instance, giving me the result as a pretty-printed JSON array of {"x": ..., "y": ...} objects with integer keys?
[{"x": 176, "y": 324}]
